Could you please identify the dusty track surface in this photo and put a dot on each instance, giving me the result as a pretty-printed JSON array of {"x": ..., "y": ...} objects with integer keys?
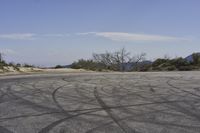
[{"x": 101, "y": 103}]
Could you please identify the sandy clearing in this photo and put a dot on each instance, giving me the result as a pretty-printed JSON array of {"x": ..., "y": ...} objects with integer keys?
[{"x": 30, "y": 70}]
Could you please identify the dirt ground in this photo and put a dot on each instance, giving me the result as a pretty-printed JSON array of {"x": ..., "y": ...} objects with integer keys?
[{"x": 151, "y": 102}]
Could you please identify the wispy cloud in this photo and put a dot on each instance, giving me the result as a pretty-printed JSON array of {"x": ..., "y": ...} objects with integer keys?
[
  {"x": 130, "y": 37},
  {"x": 18, "y": 36},
  {"x": 55, "y": 35},
  {"x": 115, "y": 36},
  {"x": 29, "y": 36}
]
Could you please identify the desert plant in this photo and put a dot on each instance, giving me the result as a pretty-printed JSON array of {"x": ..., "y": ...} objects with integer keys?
[{"x": 58, "y": 66}]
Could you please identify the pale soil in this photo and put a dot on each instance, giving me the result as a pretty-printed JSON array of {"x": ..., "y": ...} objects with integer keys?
[{"x": 25, "y": 70}]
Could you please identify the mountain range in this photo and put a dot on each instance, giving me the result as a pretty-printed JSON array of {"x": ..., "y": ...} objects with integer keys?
[{"x": 190, "y": 58}]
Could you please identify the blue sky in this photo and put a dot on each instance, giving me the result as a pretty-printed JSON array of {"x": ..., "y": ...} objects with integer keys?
[{"x": 50, "y": 32}]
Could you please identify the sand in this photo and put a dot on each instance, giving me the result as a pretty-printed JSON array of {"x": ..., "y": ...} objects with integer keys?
[{"x": 31, "y": 70}]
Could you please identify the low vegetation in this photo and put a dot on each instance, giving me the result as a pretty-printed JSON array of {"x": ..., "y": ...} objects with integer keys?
[
  {"x": 5, "y": 66},
  {"x": 123, "y": 61},
  {"x": 117, "y": 61}
]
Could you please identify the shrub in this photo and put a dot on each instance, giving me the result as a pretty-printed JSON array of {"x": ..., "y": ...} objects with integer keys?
[
  {"x": 1, "y": 66},
  {"x": 27, "y": 65},
  {"x": 18, "y": 65},
  {"x": 185, "y": 68},
  {"x": 58, "y": 66},
  {"x": 171, "y": 68},
  {"x": 159, "y": 62},
  {"x": 196, "y": 58},
  {"x": 145, "y": 67},
  {"x": 156, "y": 69}
]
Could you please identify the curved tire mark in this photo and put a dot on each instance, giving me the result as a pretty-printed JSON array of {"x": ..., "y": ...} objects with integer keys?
[
  {"x": 4, "y": 130},
  {"x": 121, "y": 124}
]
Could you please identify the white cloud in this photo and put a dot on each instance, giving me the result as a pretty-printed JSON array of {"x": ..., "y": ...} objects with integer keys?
[
  {"x": 55, "y": 35},
  {"x": 130, "y": 37},
  {"x": 115, "y": 36},
  {"x": 18, "y": 36},
  {"x": 29, "y": 36}
]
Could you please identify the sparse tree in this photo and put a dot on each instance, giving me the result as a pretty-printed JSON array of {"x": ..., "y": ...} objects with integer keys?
[
  {"x": 136, "y": 59},
  {"x": 118, "y": 60},
  {"x": 108, "y": 60},
  {"x": 114, "y": 61},
  {"x": 122, "y": 57}
]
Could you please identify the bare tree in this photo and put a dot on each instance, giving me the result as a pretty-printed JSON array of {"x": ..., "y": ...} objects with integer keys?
[
  {"x": 114, "y": 61},
  {"x": 105, "y": 59},
  {"x": 140, "y": 57},
  {"x": 121, "y": 57},
  {"x": 137, "y": 58},
  {"x": 118, "y": 60}
]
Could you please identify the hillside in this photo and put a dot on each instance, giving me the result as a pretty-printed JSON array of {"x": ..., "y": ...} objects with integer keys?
[{"x": 190, "y": 57}]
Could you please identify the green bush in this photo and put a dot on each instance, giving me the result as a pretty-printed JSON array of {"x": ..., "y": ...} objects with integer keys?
[
  {"x": 171, "y": 68},
  {"x": 185, "y": 68},
  {"x": 27, "y": 65},
  {"x": 1, "y": 66},
  {"x": 196, "y": 58},
  {"x": 18, "y": 65},
  {"x": 159, "y": 62},
  {"x": 88, "y": 64},
  {"x": 145, "y": 67},
  {"x": 58, "y": 66},
  {"x": 156, "y": 69}
]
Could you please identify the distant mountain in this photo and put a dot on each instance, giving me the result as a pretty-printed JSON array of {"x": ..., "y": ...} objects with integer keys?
[
  {"x": 129, "y": 66},
  {"x": 190, "y": 58}
]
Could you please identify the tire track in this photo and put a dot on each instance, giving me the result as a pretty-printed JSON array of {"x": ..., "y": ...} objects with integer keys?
[
  {"x": 125, "y": 104},
  {"x": 125, "y": 128},
  {"x": 177, "y": 88},
  {"x": 5, "y": 130},
  {"x": 55, "y": 100},
  {"x": 54, "y": 124}
]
